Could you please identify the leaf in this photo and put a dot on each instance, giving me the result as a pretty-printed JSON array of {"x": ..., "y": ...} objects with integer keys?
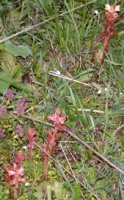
[
  {"x": 39, "y": 193},
  {"x": 121, "y": 191},
  {"x": 20, "y": 50},
  {"x": 16, "y": 73},
  {"x": 5, "y": 81},
  {"x": 86, "y": 75},
  {"x": 72, "y": 96},
  {"x": 7, "y": 62},
  {"x": 77, "y": 192},
  {"x": 59, "y": 190},
  {"x": 23, "y": 51},
  {"x": 22, "y": 198},
  {"x": 49, "y": 192},
  {"x": 3, "y": 194}
]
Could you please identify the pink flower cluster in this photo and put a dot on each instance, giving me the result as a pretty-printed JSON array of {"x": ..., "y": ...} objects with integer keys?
[{"x": 14, "y": 174}]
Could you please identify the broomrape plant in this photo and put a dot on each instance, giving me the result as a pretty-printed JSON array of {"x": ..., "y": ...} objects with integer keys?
[{"x": 111, "y": 17}]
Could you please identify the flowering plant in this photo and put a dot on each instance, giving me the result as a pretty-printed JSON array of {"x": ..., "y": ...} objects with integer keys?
[
  {"x": 111, "y": 17},
  {"x": 14, "y": 176},
  {"x": 50, "y": 146},
  {"x": 31, "y": 138}
]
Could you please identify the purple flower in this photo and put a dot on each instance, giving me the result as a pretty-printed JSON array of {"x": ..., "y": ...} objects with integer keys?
[
  {"x": 1, "y": 132},
  {"x": 9, "y": 94},
  {"x": 21, "y": 106},
  {"x": 3, "y": 110},
  {"x": 19, "y": 129}
]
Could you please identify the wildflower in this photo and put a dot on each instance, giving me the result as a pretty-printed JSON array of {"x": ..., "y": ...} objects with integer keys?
[
  {"x": 21, "y": 106},
  {"x": 112, "y": 8},
  {"x": 96, "y": 12},
  {"x": 106, "y": 89},
  {"x": 57, "y": 120},
  {"x": 31, "y": 138},
  {"x": 1, "y": 132},
  {"x": 99, "y": 92},
  {"x": 9, "y": 94},
  {"x": 19, "y": 129},
  {"x": 25, "y": 147},
  {"x": 14, "y": 174},
  {"x": 31, "y": 133},
  {"x": 19, "y": 158},
  {"x": 52, "y": 137},
  {"x": 3, "y": 110},
  {"x": 49, "y": 147},
  {"x": 111, "y": 17},
  {"x": 27, "y": 184}
]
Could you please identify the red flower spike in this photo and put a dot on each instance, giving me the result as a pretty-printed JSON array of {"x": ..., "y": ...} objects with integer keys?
[
  {"x": 14, "y": 177},
  {"x": 19, "y": 158},
  {"x": 53, "y": 136},
  {"x": 14, "y": 174},
  {"x": 111, "y": 17},
  {"x": 46, "y": 152},
  {"x": 57, "y": 120},
  {"x": 31, "y": 133},
  {"x": 50, "y": 145},
  {"x": 31, "y": 138}
]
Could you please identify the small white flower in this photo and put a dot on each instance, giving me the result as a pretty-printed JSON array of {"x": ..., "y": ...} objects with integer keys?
[
  {"x": 25, "y": 147},
  {"x": 96, "y": 12},
  {"x": 106, "y": 89},
  {"x": 27, "y": 184},
  {"x": 112, "y": 8},
  {"x": 117, "y": 8},
  {"x": 107, "y": 7},
  {"x": 99, "y": 92}
]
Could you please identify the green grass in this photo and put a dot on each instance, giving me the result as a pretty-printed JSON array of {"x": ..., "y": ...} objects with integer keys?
[{"x": 66, "y": 44}]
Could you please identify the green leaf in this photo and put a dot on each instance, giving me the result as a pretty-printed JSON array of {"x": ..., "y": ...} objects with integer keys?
[
  {"x": 59, "y": 190},
  {"x": 5, "y": 81},
  {"x": 20, "y": 50},
  {"x": 121, "y": 191},
  {"x": 77, "y": 192},
  {"x": 23, "y": 51},
  {"x": 72, "y": 96},
  {"x": 3, "y": 194},
  {"x": 39, "y": 193}
]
